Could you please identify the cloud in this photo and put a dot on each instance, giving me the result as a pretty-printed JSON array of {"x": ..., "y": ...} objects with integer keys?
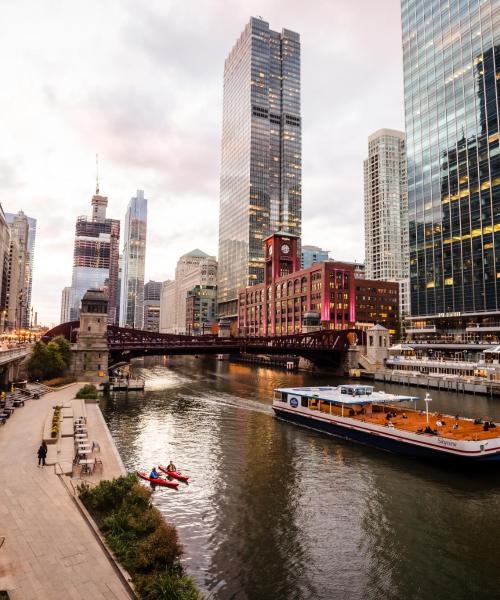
[{"x": 141, "y": 84}]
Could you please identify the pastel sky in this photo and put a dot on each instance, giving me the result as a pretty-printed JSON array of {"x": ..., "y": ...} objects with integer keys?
[{"x": 140, "y": 82}]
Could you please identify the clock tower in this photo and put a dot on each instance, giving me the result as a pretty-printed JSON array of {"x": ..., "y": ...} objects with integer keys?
[{"x": 281, "y": 255}]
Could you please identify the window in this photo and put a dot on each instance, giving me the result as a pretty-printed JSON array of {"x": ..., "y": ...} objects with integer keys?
[{"x": 304, "y": 402}]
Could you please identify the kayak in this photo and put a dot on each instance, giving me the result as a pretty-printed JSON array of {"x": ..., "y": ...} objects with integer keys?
[
  {"x": 159, "y": 481},
  {"x": 174, "y": 474}
]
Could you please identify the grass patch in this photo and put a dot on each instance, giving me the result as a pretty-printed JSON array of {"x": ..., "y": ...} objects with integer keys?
[{"x": 141, "y": 540}]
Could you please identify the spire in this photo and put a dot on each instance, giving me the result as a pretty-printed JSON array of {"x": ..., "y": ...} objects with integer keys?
[{"x": 97, "y": 174}]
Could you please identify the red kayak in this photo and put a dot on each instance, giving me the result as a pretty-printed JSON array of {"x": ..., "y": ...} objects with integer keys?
[
  {"x": 174, "y": 474},
  {"x": 159, "y": 481}
]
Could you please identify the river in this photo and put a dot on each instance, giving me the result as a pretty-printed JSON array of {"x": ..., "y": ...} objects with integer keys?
[{"x": 277, "y": 512}]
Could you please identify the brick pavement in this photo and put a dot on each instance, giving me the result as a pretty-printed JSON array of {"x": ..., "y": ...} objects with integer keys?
[{"x": 49, "y": 552}]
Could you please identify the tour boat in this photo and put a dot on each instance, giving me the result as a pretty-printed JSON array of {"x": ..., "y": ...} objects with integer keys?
[
  {"x": 174, "y": 474},
  {"x": 358, "y": 413},
  {"x": 159, "y": 481}
]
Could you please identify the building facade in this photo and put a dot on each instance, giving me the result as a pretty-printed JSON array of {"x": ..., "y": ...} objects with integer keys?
[
  {"x": 312, "y": 254},
  {"x": 65, "y": 304},
  {"x": 261, "y": 166},
  {"x": 194, "y": 268},
  {"x": 4, "y": 268},
  {"x": 95, "y": 257},
  {"x": 23, "y": 231},
  {"x": 152, "y": 294},
  {"x": 290, "y": 296},
  {"x": 133, "y": 263},
  {"x": 201, "y": 309},
  {"x": 386, "y": 206},
  {"x": 451, "y": 55}
]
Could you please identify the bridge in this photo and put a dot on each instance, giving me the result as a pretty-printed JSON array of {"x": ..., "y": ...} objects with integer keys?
[{"x": 325, "y": 346}]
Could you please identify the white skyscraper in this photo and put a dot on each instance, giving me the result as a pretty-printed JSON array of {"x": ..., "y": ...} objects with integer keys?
[{"x": 134, "y": 260}]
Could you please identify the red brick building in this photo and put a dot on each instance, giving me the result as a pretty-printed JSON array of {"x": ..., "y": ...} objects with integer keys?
[{"x": 278, "y": 306}]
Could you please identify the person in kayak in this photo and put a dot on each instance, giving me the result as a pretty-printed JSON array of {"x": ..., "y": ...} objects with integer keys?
[
  {"x": 154, "y": 474},
  {"x": 171, "y": 467}
]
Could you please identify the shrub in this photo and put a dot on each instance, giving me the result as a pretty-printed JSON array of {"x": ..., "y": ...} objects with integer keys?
[
  {"x": 87, "y": 392},
  {"x": 59, "y": 381},
  {"x": 146, "y": 546}
]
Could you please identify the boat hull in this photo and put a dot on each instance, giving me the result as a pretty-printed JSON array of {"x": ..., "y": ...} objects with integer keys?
[
  {"x": 163, "y": 482},
  {"x": 380, "y": 441},
  {"x": 174, "y": 474}
]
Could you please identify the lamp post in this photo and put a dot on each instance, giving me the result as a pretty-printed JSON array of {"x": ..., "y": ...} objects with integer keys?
[{"x": 427, "y": 399}]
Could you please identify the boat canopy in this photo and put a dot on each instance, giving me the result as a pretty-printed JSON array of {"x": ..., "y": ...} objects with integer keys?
[{"x": 346, "y": 394}]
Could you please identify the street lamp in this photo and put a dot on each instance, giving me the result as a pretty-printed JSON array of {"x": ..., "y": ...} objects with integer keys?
[{"x": 427, "y": 399}]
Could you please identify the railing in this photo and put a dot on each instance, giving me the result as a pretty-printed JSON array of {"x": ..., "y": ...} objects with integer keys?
[{"x": 12, "y": 354}]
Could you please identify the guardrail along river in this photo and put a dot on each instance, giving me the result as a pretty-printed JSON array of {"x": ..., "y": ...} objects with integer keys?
[{"x": 274, "y": 511}]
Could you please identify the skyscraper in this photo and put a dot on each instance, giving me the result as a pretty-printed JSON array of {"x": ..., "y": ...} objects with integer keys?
[
  {"x": 95, "y": 258},
  {"x": 451, "y": 54},
  {"x": 261, "y": 167},
  {"x": 386, "y": 206},
  {"x": 311, "y": 255},
  {"x": 23, "y": 230},
  {"x": 65, "y": 304},
  {"x": 134, "y": 259},
  {"x": 152, "y": 294}
]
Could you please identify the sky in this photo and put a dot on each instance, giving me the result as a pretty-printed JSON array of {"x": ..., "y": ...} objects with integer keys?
[{"x": 140, "y": 83}]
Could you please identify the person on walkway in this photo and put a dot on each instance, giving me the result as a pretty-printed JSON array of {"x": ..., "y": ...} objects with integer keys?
[
  {"x": 171, "y": 467},
  {"x": 42, "y": 453}
]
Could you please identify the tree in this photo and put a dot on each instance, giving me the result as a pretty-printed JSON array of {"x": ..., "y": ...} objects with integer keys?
[
  {"x": 64, "y": 349},
  {"x": 55, "y": 363},
  {"x": 37, "y": 362}
]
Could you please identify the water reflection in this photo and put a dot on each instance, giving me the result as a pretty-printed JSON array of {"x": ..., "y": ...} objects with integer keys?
[{"x": 275, "y": 511}]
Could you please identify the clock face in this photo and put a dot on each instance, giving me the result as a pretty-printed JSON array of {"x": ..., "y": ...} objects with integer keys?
[{"x": 285, "y": 248}]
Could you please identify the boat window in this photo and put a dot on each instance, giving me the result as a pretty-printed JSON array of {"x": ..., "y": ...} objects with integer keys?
[
  {"x": 304, "y": 402},
  {"x": 343, "y": 391},
  {"x": 283, "y": 397}
]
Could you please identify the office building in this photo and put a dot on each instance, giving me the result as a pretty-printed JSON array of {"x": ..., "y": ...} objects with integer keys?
[
  {"x": 65, "y": 304},
  {"x": 134, "y": 260},
  {"x": 95, "y": 258},
  {"x": 23, "y": 230},
  {"x": 4, "y": 267},
  {"x": 194, "y": 268},
  {"x": 201, "y": 309},
  {"x": 261, "y": 166},
  {"x": 152, "y": 294},
  {"x": 311, "y": 255},
  {"x": 386, "y": 206},
  {"x": 330, "y": 290},
  {"x": 451, "y": 56}
]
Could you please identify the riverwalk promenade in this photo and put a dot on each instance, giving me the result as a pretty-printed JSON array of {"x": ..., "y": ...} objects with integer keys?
[{"x": 49, "y": 551}]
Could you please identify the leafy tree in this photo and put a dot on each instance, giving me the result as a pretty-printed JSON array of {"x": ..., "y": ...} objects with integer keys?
[
  {"x": 55, "y": 363},
  {"x": 37, "y": 362},
  {"x": 64, "y": 349}
]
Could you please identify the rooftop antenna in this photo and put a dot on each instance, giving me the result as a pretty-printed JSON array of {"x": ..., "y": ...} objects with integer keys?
[{"x": 97, "y": 174}]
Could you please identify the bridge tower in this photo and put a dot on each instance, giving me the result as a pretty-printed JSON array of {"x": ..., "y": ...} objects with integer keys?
[{"x": 90, "y": 356}]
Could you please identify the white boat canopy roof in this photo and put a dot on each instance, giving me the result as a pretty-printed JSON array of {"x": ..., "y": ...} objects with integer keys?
[
  {"x": 494, "y": 350},
  {"x": 346, "y": 394}
]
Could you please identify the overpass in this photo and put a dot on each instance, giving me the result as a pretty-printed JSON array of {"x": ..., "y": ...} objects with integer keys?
[
  {"x": 320, "y": 347},
  {"x": 10, "y": 359}
]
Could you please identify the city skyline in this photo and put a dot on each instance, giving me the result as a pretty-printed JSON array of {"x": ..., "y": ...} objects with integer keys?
[{"x": 87, "y": 102}]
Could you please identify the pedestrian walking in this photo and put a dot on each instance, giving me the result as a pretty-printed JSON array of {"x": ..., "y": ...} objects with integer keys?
[{"x": 42, "y": 453}]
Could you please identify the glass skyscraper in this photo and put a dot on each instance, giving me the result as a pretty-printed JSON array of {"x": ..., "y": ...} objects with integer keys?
[
  {"x": 261, "y": 168},
  {"x": 451, "y": 53},
  {"x": 133, "y": 263}
]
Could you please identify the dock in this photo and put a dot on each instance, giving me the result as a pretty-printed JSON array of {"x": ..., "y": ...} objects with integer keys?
[{"x": 128, "y": 385}]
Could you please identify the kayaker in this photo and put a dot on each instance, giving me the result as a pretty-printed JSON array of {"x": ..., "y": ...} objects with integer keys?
[
  {"x": 154, "y": 474},
  {"x": 171, "y": 467}
]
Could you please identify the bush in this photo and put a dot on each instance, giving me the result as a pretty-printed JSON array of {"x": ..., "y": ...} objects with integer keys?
[
  {"x": 59, "y": 381},
  {"x": 140, "y": 539},
  {"x": 87, "y": 392}
]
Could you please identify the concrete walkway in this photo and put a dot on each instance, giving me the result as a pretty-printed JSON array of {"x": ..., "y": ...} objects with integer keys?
[{"x": 49, "y": 552}]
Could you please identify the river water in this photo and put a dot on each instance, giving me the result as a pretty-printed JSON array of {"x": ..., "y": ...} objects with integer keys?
[{"x": 274, "y": 511}]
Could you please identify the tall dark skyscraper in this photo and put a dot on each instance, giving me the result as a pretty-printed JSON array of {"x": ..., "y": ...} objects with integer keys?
[
  {"x": 451, "y": 53},
  {"x": 261, "y": 168}
]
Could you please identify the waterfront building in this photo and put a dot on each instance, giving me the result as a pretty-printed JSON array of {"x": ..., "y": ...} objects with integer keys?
[
  {"x": 134, "y": 260},
  {"x": 194, "y": 268},
  {"x": 291, "y": 296},
  {"x": 23, "y": 230},
  {"x": 65, "y": 304},
  {"x": 95, "y": 258},
  {"x": 201, "y": 309},
  {"x": 261, "y": 166},
  {"x": 386, "y": 206},
  {"x": 4, "y": 267},
  {"x": 13, "y": 292},
  {"x": 451, "y": 55},
  {"x": 152, "y": 294},
  {"x": 312, "y": 254}
]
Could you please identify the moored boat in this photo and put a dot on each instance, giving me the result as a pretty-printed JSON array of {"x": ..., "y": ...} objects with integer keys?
[
  {"x": 174, "y": 474},
  {"x": 358, "y": 413},
  {"x": 159, "y": 481}
]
